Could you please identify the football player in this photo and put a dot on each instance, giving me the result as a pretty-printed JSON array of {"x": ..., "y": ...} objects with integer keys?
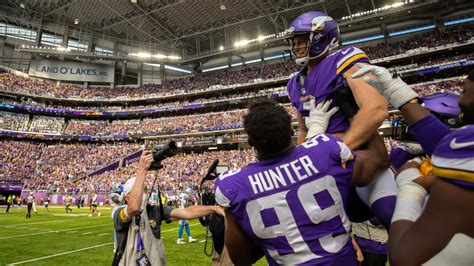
[
  {"x": 314, "y": 39},
  {"x": 289, "y": 205},
  {"x": 442, "y": 233},
  {"x": 184, "y": 199}
]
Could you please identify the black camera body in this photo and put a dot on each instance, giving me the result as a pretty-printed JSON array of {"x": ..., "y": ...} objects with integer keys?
[{"x": 166, "y": 151}]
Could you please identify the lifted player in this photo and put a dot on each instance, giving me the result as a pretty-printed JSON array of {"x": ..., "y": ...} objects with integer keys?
[{"x": 314, "y": 40}]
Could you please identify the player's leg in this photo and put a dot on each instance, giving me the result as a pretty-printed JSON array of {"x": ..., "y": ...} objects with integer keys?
[
  {"x": 180, "y": 232},
  {"x": 380, "y": 196},
  {"x": 188, "y": 232}
]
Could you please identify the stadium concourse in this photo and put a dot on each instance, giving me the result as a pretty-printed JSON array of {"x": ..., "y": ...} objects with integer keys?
[{"x": 87, "y": 86}]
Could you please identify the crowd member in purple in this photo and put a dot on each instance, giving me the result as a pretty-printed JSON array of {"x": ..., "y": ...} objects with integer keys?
[
  {"x": 290, "y": 205},
  {"x": 442, "y": 233},
  {"x": 314, "y": 38},
  {"x": 442, "y": 105}
]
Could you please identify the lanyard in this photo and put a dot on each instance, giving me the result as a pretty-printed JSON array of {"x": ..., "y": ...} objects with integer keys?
[{"x": 140, "y": 245}]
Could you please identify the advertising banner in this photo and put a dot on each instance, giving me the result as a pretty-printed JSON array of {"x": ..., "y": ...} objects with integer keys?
[{"x": 71, "y": 71}]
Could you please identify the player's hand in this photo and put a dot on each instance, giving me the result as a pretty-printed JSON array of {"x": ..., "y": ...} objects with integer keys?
[
  {"x": 394, "y": 89},
  {"x": 319, "y": 116},
  {"x": 360, "y": 256},
  {"x": 145, "y": 161},
  {"x": 410, "y": 172}
]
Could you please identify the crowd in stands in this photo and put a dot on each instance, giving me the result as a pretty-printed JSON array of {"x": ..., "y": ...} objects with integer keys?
[
  {"x": 13, "y": 121},
  {"x": 179, "y": 172},
  {"x": 156, "y": 106},
  {"x": 41, "y": 166},
  {"x": 227, "y": 77},
  {"x": 435, "y": 60},
  {"x": 53, "y": 168},
  {"x": 47, "y": 124},
  {"x": 166, "y": 125},
  {"x": 428, "y": 40},
  {"x": 18, "y": 159},
  {"x": 442, "y": 86},
  {"x": 195, "y": 83}
]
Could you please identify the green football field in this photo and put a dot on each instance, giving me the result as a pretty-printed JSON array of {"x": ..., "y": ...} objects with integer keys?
[{"x": 57, "y": 238}]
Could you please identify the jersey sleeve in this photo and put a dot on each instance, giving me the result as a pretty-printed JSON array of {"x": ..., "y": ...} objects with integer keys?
[
  {"x": 349, "y": 56},
  {"x": 336, "y": 149},
  {"x": 453, "y": 157},
  {"x": 225, "y": 189}
]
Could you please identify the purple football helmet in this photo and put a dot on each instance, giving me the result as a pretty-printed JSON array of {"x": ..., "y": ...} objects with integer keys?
[
  {"x": 442, "y": 105},
  {"x": 445, "y": 107},
  {"x": 323, "y": 35}
]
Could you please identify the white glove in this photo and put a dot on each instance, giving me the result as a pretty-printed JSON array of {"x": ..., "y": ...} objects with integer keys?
[
  {"x": 318, "y": 120},
  {"x": 395, "y": 90}
]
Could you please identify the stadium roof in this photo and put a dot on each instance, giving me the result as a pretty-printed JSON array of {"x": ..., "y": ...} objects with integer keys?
[{"x": 178, "y": 25}]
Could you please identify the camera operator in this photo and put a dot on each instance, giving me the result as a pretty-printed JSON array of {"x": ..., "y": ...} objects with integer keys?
[{"x": 137, "y": 227}]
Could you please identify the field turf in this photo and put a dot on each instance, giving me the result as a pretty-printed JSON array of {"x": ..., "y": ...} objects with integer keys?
[{"x": 57, "y": 238}]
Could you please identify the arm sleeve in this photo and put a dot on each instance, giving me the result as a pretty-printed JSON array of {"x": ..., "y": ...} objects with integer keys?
[
  {"x": 121, "y": 221},
  {"x": 429, "y": 131}
]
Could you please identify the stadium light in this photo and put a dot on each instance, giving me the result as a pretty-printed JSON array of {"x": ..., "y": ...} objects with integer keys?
[{"x": 221, "y": 48}]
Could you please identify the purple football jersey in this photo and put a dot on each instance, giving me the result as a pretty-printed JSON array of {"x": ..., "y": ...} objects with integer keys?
[
  {"x": 321, "y": 82},
  {"x": 293, "y": 206},
  {"x": 399, "y": 156},
  {"x": 453, "y": 157}
]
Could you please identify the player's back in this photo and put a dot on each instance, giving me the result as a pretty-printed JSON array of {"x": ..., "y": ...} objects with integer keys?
[{"x": 293, "y": 205}]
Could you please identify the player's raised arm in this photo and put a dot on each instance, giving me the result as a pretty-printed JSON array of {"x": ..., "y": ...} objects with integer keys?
[
  {"x": 373, "y": 111},
  {"x": 427, "y": 129}
]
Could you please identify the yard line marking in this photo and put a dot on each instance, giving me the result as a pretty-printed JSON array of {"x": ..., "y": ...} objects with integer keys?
[
  {"x": 202, "y": 241},
  {"x": 31, "y": 229},
  {"x": 86, "y": 233},
  {"x": 71, "y": 232},
  {"x": 104, "y": 234},
  {"x": 57, "y": 231},
  {"x": 60, "y": 254},
  {"x": 47, "y": 222}
]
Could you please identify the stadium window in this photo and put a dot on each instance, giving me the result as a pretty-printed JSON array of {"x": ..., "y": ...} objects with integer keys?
[
  {"x": 77, "y": 45},
  {"x": 411, "y": 30},
  {"x": 103, "y": 51},
  {"x": 51, "y": 40},
  {"x": 276, "y": 56},
  {"x": 458, "y": 20},
  {"x": 177, "y": 69},
  {"x": 17, "y": 32},
  {"x": 253, "y": 61},
  {"x": 215, "y": 68},
  {"x": 363, "y": 39}
]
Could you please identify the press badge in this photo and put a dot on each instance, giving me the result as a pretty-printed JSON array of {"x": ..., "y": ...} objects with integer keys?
[{"x": 143, "y": 260}]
